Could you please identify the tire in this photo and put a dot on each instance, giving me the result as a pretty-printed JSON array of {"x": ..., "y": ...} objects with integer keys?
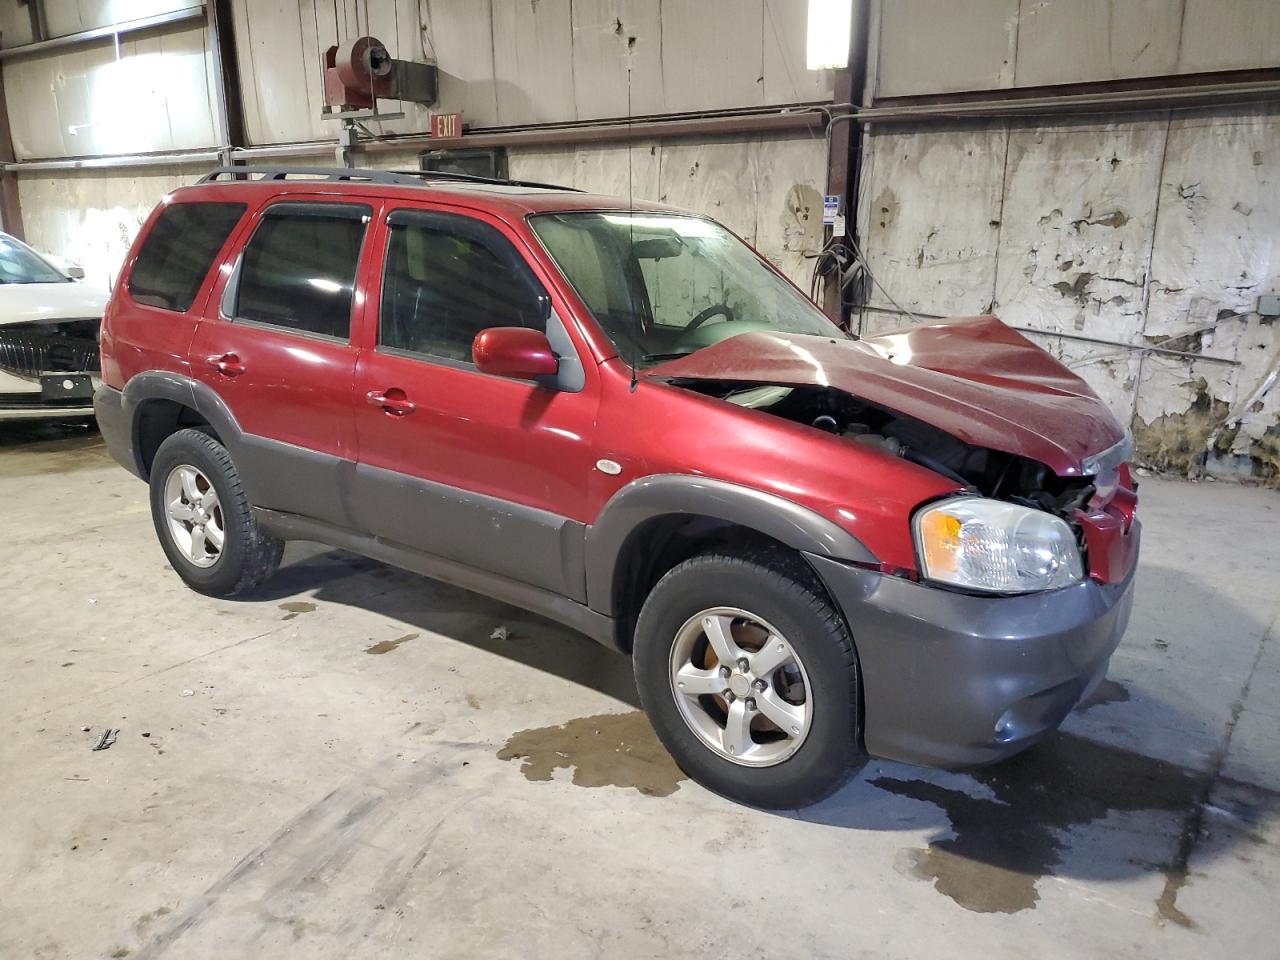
[
  {"x": 247, "y": 556},
  {"x": 782, "y": 599}
]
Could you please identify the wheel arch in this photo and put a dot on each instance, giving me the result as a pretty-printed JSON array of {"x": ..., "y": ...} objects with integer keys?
[
  {"x": 655, "y": 523},
  {"x": 160, "y": 403}
]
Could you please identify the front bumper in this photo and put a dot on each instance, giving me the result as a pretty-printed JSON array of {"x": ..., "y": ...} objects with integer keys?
[
  {"x": 20, "y": 399},
  {"x": 955, "y": 680}
]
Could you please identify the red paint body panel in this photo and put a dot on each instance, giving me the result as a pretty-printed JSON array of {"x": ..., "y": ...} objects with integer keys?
[
  {"x": 503, "y": 438},
  {"x": 660, "y": 428},
  {"x": 280, "y": 384},
  {"x": 138, "y": 337},
  {"x": 1112, "y": 531},
  {"x": 974, "y": 377},
  {"x": 471, "y": 430},
  {"x": 293, "y": 389}
]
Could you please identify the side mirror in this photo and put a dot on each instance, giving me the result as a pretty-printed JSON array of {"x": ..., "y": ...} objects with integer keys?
[
  {"x": 516, "y": 352},
  {"x": 75, "y": 271}
]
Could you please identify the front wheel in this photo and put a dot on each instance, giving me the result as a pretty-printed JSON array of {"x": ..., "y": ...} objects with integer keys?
[
  {"x": 203, "y": 520},
  {"x": 749, "y": 676}
]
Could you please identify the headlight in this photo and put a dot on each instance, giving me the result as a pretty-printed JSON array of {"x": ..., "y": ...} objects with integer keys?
[{"x": 996, "y": 547}]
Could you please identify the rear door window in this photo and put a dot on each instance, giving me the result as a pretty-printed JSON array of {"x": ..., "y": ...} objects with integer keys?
[
  {"x": 447, "y": 277},
  {"x": 178, "y": 252},
  {"x": 299, "y": 268}
]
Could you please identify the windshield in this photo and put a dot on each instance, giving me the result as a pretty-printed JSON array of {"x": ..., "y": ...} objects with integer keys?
[
  {"x": 662, "y": 286},
  {"x": 20, "y": 264}
]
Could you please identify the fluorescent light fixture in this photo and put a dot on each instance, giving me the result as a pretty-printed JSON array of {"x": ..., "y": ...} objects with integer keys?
[{"x": 830, "y": 26}]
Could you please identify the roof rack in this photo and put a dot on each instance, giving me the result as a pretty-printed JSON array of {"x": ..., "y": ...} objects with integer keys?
[{"x": 414, "y": 178}]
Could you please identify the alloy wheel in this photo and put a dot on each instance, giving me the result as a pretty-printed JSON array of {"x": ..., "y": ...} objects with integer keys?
[
  {"x": 194, "y": 515},
  {"x": 740, "y": 686}
]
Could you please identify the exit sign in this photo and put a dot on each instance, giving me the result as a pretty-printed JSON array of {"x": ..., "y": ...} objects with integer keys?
[{"x": 446, "y": 125}]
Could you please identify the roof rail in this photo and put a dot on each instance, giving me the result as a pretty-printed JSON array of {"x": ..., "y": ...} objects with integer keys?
[
  {"x": 414, "y": 178},
  {"x": 475, "y": 178}
]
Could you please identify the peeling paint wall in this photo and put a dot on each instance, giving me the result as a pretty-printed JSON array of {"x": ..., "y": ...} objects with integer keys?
[{"x": 1152, "y": 230}]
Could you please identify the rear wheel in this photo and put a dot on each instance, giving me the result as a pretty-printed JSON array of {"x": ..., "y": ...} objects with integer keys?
[
  {"x": 749, "y": 676},
  {"x": 203, "y": 520}
]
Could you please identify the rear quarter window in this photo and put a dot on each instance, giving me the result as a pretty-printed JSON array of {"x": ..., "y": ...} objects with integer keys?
[{"x": 178, "y": 252}]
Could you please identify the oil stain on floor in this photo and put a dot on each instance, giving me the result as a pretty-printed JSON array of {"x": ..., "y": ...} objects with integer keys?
[
  {"x": 386, "y": 646},
  {"x": 1003, "y": 846},
  {"x": 293, "y": 608},
  {"x": 609, "y": 749}
]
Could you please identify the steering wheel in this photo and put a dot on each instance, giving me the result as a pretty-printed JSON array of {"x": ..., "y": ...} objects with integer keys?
[{"x": 721, "y": 309}]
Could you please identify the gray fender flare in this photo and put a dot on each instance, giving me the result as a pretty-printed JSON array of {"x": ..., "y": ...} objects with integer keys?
[
  {"x": 165, "y": 385},
  {"x": 674, "y": 494}
]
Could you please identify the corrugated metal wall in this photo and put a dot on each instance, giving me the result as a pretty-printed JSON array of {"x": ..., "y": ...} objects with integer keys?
[
  {"x": 502, "y": 62},
  {"x": 1151, "y": 229},
  {"x": 940, "y": 46},
  {"x": 518, "y": 62},
  {"x": 151, "y": 92}
]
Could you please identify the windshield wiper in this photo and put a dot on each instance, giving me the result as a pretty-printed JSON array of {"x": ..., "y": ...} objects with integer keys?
[{"x": 660, "y": 357}]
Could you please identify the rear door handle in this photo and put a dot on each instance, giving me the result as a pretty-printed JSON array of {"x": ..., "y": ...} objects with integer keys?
[
  {"x": 227, "y": 364},
  {"x": 392, "y": 400}
]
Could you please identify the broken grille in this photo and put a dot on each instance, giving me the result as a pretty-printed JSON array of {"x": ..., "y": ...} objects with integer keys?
[{"x": 53, "y": 346}]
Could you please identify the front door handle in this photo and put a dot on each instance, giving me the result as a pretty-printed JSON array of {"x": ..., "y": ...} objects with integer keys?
[
  {"x": 227, "y": 364},
  {"x": 392, "y": 401}
]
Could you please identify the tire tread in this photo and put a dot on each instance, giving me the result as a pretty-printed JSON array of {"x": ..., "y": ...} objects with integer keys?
[
  {"x": 262, "y": 551},
  {"x": 792, "y": 578}
]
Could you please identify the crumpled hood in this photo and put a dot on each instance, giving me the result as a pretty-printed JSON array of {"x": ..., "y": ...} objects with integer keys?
[
  {"x": 24, "y": 302},
  {"x": 973, "y": 377}
]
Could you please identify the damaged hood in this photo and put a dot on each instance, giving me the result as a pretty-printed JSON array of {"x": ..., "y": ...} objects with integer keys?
[{"x": 973, "y": 377}]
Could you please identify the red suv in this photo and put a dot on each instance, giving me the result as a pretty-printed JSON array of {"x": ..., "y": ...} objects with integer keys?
[{"x": 919, "y": 546}]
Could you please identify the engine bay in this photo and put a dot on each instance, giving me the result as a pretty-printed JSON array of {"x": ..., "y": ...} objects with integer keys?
[{"x": 991, "y": 473}]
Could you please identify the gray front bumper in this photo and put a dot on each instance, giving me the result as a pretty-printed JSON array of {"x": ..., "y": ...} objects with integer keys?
[{"x": 955, "y": 680}]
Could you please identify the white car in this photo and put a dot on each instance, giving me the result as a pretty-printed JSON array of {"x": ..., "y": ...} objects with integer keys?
[{"x": 49, "y": 323}]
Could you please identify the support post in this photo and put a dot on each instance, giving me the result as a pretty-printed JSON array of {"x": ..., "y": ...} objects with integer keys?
[
  {"x": 845, "y": 140},
  {"x": 10, "y": 206},
  {"x": 226, "y": 69},
  {"x": 839, "y": 138}
]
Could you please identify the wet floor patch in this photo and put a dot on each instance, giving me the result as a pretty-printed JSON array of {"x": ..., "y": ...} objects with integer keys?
[
  {"x": 386, "y": 646},
  {"x": 606, "y": 750},
  {"x": 1108, "y": 691},
  {"x": 1002, "y": 846},
  {"x": 293, "y": 608}
]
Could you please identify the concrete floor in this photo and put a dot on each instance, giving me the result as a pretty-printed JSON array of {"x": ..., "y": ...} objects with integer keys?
[{"x": 349, "y": 765}]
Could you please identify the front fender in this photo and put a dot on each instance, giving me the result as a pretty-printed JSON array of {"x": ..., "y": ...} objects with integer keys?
[{"x": 678, "y": 494}]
